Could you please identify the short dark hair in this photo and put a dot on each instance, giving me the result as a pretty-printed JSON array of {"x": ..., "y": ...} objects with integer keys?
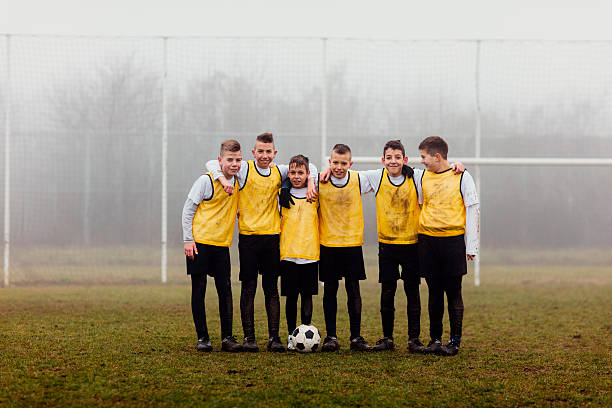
[
  {"x": 229, "y": 145},
  {"x": 394, "y": 145},
  {"x": 265, "y": 138},
  {"x": 433, "y": 145},
  {"x": 342, "y": 149},
  {"x": 299, "y": 160}
]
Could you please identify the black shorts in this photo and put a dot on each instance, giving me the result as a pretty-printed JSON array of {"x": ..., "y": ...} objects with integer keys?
[
  {"x": 341, "y": 262},
  {"x": 299, "y": 279},
  {"x": 442, "y": 256},
  {"x": 391, "y": 256},
  {"x": 211, "y": 260},
  {"x": 259, "y": 254}
]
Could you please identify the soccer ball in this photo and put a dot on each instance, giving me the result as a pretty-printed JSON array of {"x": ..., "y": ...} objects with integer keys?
[{"x": 305, "y": 339}]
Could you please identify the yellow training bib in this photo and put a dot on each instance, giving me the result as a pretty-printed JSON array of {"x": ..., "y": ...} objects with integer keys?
[
  {"x": 443, "y": 212},
  {"x": 214, "y": 220},
  {"x": 258, "y": 205},
  {"x": 340, "y": 213},
  {"x": 397, "y": 211},
  {"x": 299, "y": 237}
]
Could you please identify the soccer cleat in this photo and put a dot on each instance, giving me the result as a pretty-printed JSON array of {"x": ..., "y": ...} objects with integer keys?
[
  {"x": 204, "y": 345},
  {"x": 250, "y": 345},
  {"x": 230, "y": 344},
  {"x": 434, "y": 347},
  {"x": 275, "y": 345},
  {"x": 415, "y": 346},
  {"x": 290, "y": 345},
  {"x": 386, "y": 343},
  {"x": 451, "y": 348},
  {"x": 330, "y": 344},
  {"x": 359, "y": 344}
]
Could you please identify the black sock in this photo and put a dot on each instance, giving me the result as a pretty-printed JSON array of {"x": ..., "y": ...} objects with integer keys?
[{"x": 387, "y": 307}]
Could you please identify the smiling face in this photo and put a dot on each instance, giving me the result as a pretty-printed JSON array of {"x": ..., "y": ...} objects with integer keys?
[
  {"x": 230, "y": 163},
  {"x": 339, "y": 164},
  {"x": 264, "y": 153},
  {"x": 298, "y": 175},
  {"x": 431, "y": 162},
  {"x": 393, "y": 160}
]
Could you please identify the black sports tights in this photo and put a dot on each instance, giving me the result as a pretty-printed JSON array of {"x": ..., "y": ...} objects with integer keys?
[
  {"x": 437, "y": 287},
  {"x": 291, "y": 311},
  {"x": 247, "y": 300},
  {"x": 413, "y": 308},
  {"x": 198, "y": 308},
  {"x": 353, "y": 303}
]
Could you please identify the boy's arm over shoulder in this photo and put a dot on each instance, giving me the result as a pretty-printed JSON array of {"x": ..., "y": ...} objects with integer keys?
[
  {"x": 369, "y": 180},
  {"x": 418, "y": 177},
  {"x": 215, "y": 169}
]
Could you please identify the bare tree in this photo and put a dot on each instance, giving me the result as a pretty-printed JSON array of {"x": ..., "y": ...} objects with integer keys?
[{"x": 113, "y": 114}]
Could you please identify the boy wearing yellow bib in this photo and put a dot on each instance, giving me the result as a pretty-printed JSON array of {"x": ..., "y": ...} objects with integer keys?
[
  {"x": 448, "y": 234},
  {"x": 341, "y": 238},
  {"x": 209, "y": 216},
  {"x": 299, "y": 246},
  {"x": 259, "y": 236},
  {"x": 397, "y": 217}
]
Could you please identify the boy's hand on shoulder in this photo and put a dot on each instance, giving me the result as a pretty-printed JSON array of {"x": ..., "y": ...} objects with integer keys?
[
  {"x": 311, "y": 191},
  {"x": 458, "y": 168},
  {"x": 284, "y": 198},
  {"x": 407, "y": 171},
  {"x": 324, "y": 175},
  {"x": 190, "y": 250},
  {"x": 227, "y": 187}
]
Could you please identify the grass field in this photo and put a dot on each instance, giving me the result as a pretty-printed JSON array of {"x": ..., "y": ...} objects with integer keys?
[{"x": 535, "y": 336}]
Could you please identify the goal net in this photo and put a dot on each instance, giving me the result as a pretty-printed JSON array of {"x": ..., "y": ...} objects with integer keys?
[{"x": 82, "y": 127}]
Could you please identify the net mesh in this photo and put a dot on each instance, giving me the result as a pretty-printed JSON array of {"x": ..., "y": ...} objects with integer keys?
[{"x": 86, "y": 134}]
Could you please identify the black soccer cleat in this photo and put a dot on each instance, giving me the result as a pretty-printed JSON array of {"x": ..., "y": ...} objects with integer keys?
[
  {"x": 451, "y": 348},
  {"x": 386, "y": 343},
  {"x": 275, "y": 345},
  {"x": 359, "y": 344},
  {"x": 434, "y": 347},
  {"x": 330, "y": 344},
  {"x": 415, "y": 346},
  {"x": 204, "y": 345},
  {"x": 230, "y": 344},
  {"x": 250, "y": 345}
]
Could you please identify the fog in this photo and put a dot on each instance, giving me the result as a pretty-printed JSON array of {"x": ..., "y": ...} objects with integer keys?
[{"x": 86, "y": 127}]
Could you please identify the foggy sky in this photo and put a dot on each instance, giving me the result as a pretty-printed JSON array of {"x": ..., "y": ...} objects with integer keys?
[{"x": 384, "y": 19}]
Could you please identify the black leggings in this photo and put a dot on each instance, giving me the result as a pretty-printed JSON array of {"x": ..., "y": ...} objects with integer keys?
[
  {"x": 269, "y": 282},
  {"x": 353, "y": 303},
  {"x": 198, "y": 308},
  {"x": 291, "y": 311},
  {"x": 437, "y": 287},
  {"x": 413, "y": 308}
]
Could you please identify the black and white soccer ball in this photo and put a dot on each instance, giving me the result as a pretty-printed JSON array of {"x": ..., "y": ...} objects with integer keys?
[{"x": 305, "y": 339}]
